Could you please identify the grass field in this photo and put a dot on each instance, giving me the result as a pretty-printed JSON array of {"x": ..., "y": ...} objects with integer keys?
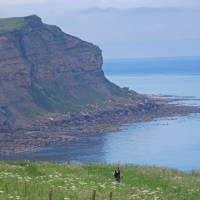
[{"x": 33, "y": 181}]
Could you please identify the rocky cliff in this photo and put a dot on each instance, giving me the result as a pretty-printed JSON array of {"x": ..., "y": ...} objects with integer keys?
[{"x": 43, "y": 70}]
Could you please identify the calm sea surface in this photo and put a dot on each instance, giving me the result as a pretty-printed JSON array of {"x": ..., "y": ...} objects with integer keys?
[{"x": 168, "y": 142}]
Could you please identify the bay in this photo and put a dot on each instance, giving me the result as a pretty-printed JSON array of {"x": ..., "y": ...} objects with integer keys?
[{"x": 166, "y": 142}]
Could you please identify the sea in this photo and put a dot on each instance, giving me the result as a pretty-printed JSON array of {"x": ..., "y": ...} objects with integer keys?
[{"x": 171, "y": 142}]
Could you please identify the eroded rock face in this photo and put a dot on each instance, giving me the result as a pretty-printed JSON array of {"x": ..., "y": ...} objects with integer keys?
[{"x": 43, "y": 70}]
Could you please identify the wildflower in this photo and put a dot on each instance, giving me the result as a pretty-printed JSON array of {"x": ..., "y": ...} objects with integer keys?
[
  {"x": 103, "y": 186},
  {"x": 73, "y": 187},
  {"x": 145, "y": 191},
  {"x": 82, "y": 183}
]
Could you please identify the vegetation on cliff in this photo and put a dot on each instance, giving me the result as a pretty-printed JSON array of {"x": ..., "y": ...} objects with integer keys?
[
  {"x": 25, "y": 180},
  {"x": 11, "y": 24}
]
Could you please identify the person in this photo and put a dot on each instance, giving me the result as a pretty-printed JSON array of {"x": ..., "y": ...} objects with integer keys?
[{"x": 117, "y": 175}]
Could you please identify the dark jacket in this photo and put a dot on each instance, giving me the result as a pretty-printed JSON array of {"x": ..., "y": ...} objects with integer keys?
[{"x": 117, "y": 175}]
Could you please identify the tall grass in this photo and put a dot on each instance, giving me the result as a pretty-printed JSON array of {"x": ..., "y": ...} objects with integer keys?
[{"x": 33, "y": 181}]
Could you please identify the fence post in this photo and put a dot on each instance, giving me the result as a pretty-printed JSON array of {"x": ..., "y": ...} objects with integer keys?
[
  {"x": 6, "y": 188},
  {"x": 50, "y": 195},
  {"x": 94, "y": 195},
  {"x": 25, "y": 189},
  {"x": 110, "y": 196}
]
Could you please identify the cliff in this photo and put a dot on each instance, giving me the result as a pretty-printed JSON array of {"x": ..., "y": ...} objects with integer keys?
[{"x": 44, "y": 70}]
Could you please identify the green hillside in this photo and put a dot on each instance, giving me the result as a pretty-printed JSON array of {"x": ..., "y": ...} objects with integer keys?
[{"x": 33, "y": 181}]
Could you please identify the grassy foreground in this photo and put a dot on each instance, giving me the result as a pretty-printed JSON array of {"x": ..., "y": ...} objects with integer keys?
[{"x": 33, "y": 181}]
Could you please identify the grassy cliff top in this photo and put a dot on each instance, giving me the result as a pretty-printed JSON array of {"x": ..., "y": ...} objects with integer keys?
[
  {"x": 16, "y": 23},
  {"x": 11, "y": 24},
  {"x": 25, "y": 180}
]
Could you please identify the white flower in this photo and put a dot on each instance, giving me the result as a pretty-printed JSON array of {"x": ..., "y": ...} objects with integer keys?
[
  {"x": 103, "y": 186},
  {"x": 82, "y": 183},
  {"x": 73, "y": 187}
]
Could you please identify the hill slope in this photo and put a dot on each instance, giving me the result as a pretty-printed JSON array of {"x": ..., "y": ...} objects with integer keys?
[{"x": 43, "y": 70}]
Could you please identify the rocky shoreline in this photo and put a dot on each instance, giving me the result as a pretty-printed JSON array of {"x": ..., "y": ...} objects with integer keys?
[{"x": 95, "y": 118}]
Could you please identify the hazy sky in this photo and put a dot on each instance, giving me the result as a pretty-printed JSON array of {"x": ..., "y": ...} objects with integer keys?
[
  {"x": 82, "y": 4},
  {"x": 122, "y": 28}
]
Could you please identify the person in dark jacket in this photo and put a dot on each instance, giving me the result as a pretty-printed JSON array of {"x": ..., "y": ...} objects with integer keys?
[{"x": 117, "y": 175}]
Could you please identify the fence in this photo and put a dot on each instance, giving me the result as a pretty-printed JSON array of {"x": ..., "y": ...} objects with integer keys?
[{"x": 93, "y": 195}]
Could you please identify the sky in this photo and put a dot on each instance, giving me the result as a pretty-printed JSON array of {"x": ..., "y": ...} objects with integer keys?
[{"x": 121, "y": 28}]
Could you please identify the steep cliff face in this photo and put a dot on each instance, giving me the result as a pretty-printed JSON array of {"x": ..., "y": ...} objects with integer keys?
[{"x": 44, "y": 70}]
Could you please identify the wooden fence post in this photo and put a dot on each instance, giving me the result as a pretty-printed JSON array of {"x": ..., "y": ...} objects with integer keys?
[
  {"x": 25, "y": 189},
  {"x": 110, "y": 196},
  {"x": 50, "y": 195},
  {"x": 94, "y": 195},
  {"x": 6, "y": 188}
]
